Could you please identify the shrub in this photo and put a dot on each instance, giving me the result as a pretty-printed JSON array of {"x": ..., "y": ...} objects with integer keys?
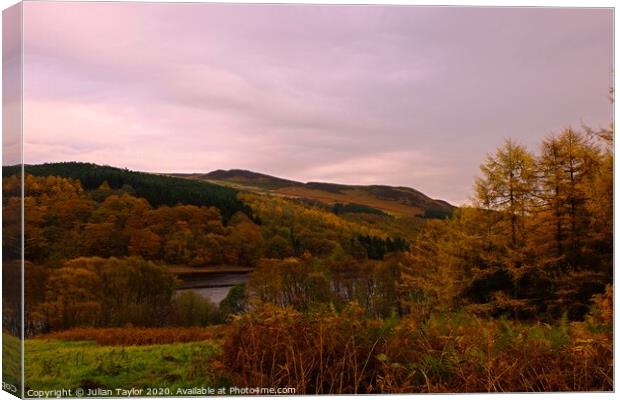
[
  {"x": 235, "y": 301},
  {"x": 191, "y": 309},
  {"x": 344, "y": 352},
  {"x": 322, "y": 352}
]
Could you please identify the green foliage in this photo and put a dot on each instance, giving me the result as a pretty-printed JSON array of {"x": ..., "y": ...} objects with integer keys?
[
  {"x": 54, "y": 364},
  {"x": 11, "y": 360}
]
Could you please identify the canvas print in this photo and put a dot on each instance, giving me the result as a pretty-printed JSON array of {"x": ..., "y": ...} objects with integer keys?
[{"x": 233, "y": 199}]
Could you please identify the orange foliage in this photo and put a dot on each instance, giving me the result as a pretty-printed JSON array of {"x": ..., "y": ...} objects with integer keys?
[
  {"x": 134, "y": 336},
  {"x": 332, "y": 352}
]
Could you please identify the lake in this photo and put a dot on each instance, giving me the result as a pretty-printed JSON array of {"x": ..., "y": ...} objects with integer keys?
[{"x": 215, "y": 286}]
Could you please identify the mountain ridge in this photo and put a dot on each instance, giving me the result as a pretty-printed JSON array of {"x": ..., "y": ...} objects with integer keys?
[{"x": 400, "y": 200}]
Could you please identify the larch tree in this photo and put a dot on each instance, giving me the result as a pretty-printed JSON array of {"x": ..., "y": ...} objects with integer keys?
[
  {"x": 507, "y": 186},
  {"x": 600, "y": 201},
  {"x": 568, "y": 166}
]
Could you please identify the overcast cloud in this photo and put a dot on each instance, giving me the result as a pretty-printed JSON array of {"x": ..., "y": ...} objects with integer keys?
[{"x": 407, "y": 96}]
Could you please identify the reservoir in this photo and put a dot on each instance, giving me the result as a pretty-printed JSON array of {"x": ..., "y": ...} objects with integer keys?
[{"x": 214, "y": 286}]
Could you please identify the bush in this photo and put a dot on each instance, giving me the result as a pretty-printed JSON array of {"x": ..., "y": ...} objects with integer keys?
[
  {"x": 332, "y": 352},
  {"x": 235, "y": 302},
  {"x": 191, "y": 309},
  {"x": 323, "y": 352}
]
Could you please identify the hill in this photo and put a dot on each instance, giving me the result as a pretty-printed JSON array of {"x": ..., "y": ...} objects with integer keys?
[
  {"x": 398, "y": 200},
  {"x": 157, "y": 189},
  {"x": 243, "y": 178}
]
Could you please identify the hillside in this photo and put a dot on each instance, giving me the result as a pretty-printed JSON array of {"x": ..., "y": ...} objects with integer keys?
[
  {"x": 390, "y": 199},
  {"x": 243, "y": 178},
  {"x": 157, "y": 189}
]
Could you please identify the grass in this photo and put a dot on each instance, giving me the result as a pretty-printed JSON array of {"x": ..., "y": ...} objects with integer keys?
[
  {"x": 11, "y": 359},
  {"x": 56, "y": 364}
]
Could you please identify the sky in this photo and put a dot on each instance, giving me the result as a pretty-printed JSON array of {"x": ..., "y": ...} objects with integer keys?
[{"x": 398, "y": 95}]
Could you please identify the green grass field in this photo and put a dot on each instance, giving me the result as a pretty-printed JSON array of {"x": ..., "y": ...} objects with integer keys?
[
  {"x": 11, "y": 360},
  {"x": 55, "y": 364}
]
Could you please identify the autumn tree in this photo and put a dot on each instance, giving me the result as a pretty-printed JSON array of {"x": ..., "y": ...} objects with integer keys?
[
  {"x": 568, "y": 165},
  {"x": 507, "y": 185},
  {"x": 93, "y": 291},
  {"x": 191, "y": 309},
  {"x": 600, "y": 201},
  {"x": 246, "y": 239},
  {"x": 294, "y": 282},
  {"x": 72, "y": 298},
  {"x": 507, "y": 190}
]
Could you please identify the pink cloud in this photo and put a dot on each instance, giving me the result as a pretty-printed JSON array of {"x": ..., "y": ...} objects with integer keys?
[{"x": 403, "y": 95}]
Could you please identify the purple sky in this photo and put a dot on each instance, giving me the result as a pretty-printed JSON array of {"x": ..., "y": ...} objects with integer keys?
[{"x": 396, "y": 95}]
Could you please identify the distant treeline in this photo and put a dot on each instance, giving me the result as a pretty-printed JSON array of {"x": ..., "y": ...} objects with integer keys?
[
  {"x": 340, "y": 208},
  {"x": 436, "y": 214},
  {"x": 377, "y": 248},
  {"x": 156, "y": 189}
]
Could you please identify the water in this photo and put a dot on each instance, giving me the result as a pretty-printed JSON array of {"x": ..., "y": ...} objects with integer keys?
[{"x": 215, "y": 287}]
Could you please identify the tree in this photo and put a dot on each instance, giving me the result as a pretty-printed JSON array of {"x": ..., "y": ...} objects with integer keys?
[
  {"x": 93, "y": 291},
  {"x": 235, "y": 301},
  {"x": 567, "y": 169},
  {"x": 247, "y": 239},
  {"x": 144, "y": 242},
  {"x": 191, "y": 309},
  {"x": 600, "y": 203},
  {"x": 508, "y": 185},
  {"x": 508, "y": 188},
  {"x": 72, "y": 298},
  {"x": 278, "y": 247}
]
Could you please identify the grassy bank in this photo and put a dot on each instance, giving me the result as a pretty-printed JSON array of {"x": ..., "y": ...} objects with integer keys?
[{"x": 56, "y": 364}]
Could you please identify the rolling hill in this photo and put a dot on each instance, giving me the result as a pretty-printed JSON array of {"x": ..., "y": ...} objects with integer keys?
[
  {"x": 158, "y": 189},
  {"x": 395, "y": 200}
]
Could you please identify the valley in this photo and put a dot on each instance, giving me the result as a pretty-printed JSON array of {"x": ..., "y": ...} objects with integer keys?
[{"x": 245, "y": 277}]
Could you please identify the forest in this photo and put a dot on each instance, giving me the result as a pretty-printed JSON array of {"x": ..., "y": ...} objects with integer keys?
[
  {"x": 156, "y": 189},
  {"x": 510, "y": 293}
]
